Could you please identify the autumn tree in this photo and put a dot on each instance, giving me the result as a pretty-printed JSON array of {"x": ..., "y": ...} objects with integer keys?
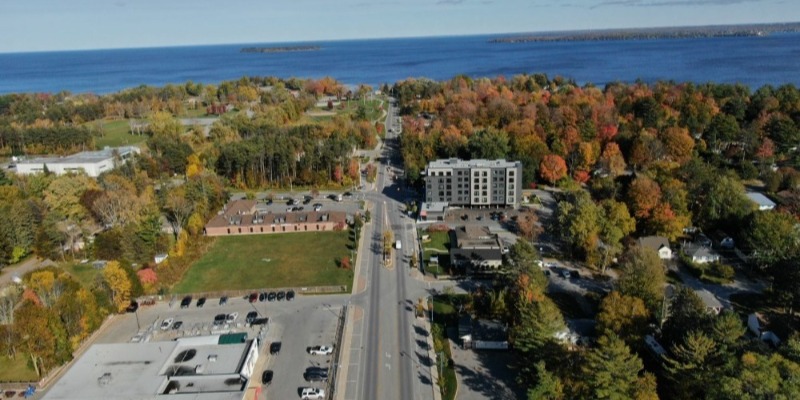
[
  {"x": 552, "y": 168},
  {"x": 624, "y": 316},
  {"x": 118, "y": 283},
  {"x": 770, "y": 237},
  {"x": 644, "y": 195},
  {"x": 642, "y": 275}
]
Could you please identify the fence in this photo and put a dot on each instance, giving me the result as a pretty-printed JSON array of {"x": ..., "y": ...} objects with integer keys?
[{"x": 337, "y": 350}]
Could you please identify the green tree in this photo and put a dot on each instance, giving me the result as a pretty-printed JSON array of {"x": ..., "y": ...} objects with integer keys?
[
  {"x": 642, "y": 275},
  {"x": 625, "y": 316},
  {"x": 548, "y": 386},
  {"x": 770, "y": 237},
  {"x": 727, "y": 328},
  {"x": 610, "y": 370}
]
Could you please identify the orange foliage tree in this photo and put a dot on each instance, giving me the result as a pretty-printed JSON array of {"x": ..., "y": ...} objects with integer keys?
[{"x": 552, "y": 168}]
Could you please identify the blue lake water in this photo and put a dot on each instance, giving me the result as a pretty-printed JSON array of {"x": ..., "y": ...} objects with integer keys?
[{"x": 753, "y": 61}]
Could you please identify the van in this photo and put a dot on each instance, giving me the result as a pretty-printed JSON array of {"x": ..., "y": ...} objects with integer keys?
[{"x": 397, "y": 245}]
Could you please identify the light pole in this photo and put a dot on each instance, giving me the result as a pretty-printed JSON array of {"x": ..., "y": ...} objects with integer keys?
[{"x": 431, "y": 307}]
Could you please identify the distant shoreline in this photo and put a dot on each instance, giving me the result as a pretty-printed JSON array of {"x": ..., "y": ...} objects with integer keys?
[
  {"x": 285, "y": 49},
  {"x": 752, "y": 30}
]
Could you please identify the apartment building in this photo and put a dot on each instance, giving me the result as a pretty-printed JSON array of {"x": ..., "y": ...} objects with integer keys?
[{"x": 474, "y": 183}]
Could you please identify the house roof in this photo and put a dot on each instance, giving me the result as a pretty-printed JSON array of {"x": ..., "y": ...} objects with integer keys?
[
  {"x": 489, "y": 330},
  {"x": 653, "y": 242},
  {"x": 760, "y": 199},
  {"x": 268, "y": 219},
  {"x": 477, "y": 254},
  {"x": 239, "y": 207},
  {"x": 709, "y": 299},
  {"x": 693, "y": 250}
]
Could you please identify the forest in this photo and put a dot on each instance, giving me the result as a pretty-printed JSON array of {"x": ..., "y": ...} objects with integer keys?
[{"x": 626, "y": 161}]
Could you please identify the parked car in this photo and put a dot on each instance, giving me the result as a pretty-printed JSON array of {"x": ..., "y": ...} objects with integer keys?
[
  {"x": 201, "y": 302},
  {"x": 290, "y": 295},
  {"x": 177, "y": 325},
  {"x": 260, "y": 321},
  {"x": 312, "y": 394},
  {"x": 253, "y": 297},
  {"x": 281, "y": 295},
  {"x": 266, "y": 377},
  {"x": 275, "y": 348},
  {"x": 186, "y": 302},
  {"x": 132, "y": 307},
  {"x": 251, "y": 316},
  {"x": 315, "y": 376},
  {"x": 320, "y": 350},
  {"x": 317, "y": 207},
  {"x": 272, "y": 296},
  {"x": 262, "y": 296},
  {"x": 230, "y": 318},
  {"x": 223, "y": 300},
  {"x": 565, "y": 274},
  {"x": 166, "y": 323},
  {"x": 219, "y": 319}
]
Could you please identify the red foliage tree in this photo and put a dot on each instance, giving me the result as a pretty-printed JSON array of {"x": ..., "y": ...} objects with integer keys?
[
  {"x": 147, "y": 275},
  {"x": 644, "y": 195},
  {"x": 552, "y": 168}
]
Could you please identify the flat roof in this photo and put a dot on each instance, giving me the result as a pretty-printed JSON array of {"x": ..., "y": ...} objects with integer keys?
[
  {"x": 760, "y": 199},
  {"x": 202, "y": 368},
  {"x": 476, "y": 163},
  {"x": 84, "y": 157}
]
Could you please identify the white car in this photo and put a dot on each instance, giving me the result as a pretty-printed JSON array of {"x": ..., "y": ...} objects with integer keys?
[
  {"x": 565, "y": 274},
  {"x": 231, "y": 317},
  {"x": 320, "y": 350},
  {"x": 167, "y": 323},
  {"x": 312, "y": 394}
]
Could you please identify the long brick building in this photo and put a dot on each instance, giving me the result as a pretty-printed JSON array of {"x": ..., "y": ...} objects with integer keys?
[{"x": 240, "y": 217}]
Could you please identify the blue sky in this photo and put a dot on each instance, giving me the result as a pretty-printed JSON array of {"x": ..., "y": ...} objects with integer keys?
[{"x": 38, "y": 25}]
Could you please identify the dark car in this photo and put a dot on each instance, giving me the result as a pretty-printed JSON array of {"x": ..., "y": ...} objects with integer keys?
[
  {"x": 177, "y": 325},
  {"x": 260, "y": 321},
  {"x": 253, "y": 297},
  {"x": 272, "y": 296},
  {"x": 316, "y": 375},
  {"x": 281, "y": 295},
  {"x": 275, "y": 348},
  {"x": 186, "y": 302},
  {"x": 266, "y": 378},
  {"x": 219, "y": 319},
  {"x": 269, "y": 202},
  {"x": 223, "y": 300},
  {"x": 307, "y": 200},
  {"x": 262, "y": 296},
  {"x": 201, "y": 302},
  {"x": 290, "y": 295},
  {"x": 132, "y": 307},
  {"x": 252, "y": 315}
]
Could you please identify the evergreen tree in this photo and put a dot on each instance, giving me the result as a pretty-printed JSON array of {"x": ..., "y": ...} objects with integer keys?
[{"x": 611, "y": 371}]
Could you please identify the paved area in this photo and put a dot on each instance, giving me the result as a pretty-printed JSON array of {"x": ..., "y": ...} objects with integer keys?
[
  {"x": 31, "y": 264},
  {"x": 484, "y": 374}
]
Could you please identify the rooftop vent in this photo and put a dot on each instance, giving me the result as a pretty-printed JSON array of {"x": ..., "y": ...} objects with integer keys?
[
  {"x": 105, "y": 379},
  {"x": 212, "y": 358}
]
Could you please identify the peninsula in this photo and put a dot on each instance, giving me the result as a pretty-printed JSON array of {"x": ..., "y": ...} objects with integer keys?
[
  {"x": 279, "y": 49},
  {"x": 690, "y": 32}
]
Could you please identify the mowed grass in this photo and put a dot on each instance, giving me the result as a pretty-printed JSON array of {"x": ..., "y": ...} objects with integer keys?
[
  {"x": 270, "y": 261},
  {"x": 84, "y": 273},
  {"x": 115, "y": 134},
  {"x": 16, "y": 370}
]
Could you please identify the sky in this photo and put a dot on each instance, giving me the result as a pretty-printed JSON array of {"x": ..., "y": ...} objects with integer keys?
[{"x": 45, "y": 25}]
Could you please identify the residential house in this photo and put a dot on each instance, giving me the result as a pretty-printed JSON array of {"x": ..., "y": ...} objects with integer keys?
[
  {"x": 240, "y": 217},
  {"x": 476, "y": 249},
  {"x": 713, "y": 305},
  {"x": 659, "y": 244},
  {"x": 700, "y": 254},
  {"x": 482, "y": 334},
  {"x": 763, "y": 202}
]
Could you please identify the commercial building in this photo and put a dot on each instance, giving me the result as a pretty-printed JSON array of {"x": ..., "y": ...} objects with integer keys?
[
  {"x": 475, "y": 249},
  {"x": 240, "y": 217},
  {"x": 93, "y": 163},
  {"x": 474, "y": 183},
  {"x": 214, "y": 367}
]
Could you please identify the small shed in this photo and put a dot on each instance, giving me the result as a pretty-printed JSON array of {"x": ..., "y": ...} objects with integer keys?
[{"x": 160, "y": 257}]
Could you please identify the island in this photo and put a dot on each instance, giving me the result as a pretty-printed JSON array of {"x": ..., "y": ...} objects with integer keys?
[
  {"x": 285, "y": 49},
  {"x": 655, "y": 33}
]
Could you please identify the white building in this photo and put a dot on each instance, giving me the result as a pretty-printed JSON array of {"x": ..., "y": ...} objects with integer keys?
[
  {"x": 659, "y": 244},
  {"x": 216, "y": 367},
  {"x": 763, "y": 202},
  {"x": 93, "y": 163}
]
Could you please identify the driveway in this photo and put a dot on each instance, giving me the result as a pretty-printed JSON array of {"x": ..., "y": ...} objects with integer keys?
[
  {"x": 484, "y": 374},
  {"x": 31, "y": 264}
]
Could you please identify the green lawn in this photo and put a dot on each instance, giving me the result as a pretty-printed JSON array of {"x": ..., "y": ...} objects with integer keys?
[
  {"x": 438, "y": 244},
  {"x": 16, "y": 370},
  {"x": 115, "y": 134},
  {"x": 444, "y": 314},
  {"x": 270, "y": 261},
  {"x": 83, "y": 273}
]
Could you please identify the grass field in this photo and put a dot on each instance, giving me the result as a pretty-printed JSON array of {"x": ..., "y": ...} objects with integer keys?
[
  {"x": 270, "y": 261},
  {"x": 83, "y": 273},
  {"x": 16, "y": 370},
  {"x": 439, "y": 244},
  {"x": 115, "y": 134},
  {"x": 444, "y": 315}
]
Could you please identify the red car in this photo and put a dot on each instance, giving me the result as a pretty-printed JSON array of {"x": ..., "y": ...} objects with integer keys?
[{"x": 253, "y": 297}]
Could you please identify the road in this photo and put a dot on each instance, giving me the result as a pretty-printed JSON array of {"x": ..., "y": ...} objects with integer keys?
[{"x": 387, "y": 363}]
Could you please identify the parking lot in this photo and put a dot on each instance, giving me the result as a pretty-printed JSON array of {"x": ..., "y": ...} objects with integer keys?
[{"x": 298, "y": 324}]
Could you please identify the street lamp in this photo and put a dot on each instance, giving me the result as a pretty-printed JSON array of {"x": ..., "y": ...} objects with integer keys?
[{"x": 431, "y": 303}]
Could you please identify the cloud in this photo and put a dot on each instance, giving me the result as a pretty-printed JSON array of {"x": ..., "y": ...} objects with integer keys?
[
  {"x": 450, "y": 2},
  {"x": 667, "y": 3}
]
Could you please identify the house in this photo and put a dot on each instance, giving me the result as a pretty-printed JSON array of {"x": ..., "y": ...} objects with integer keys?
[
  {"x": 240, "y": 217},
  {"x": 92, "y": 163},
  {"x": 700, "y": 254},
  {"x": 482, "y": 334},
  {"x": 160, "y": 257},
  {"x": 659, "y": 244},
  {"x": 713, "y": 305},
  {"x": 476, "y": 249},
  {"x": 433, "y": 211},
  {"x": 763, "y": 202}
]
